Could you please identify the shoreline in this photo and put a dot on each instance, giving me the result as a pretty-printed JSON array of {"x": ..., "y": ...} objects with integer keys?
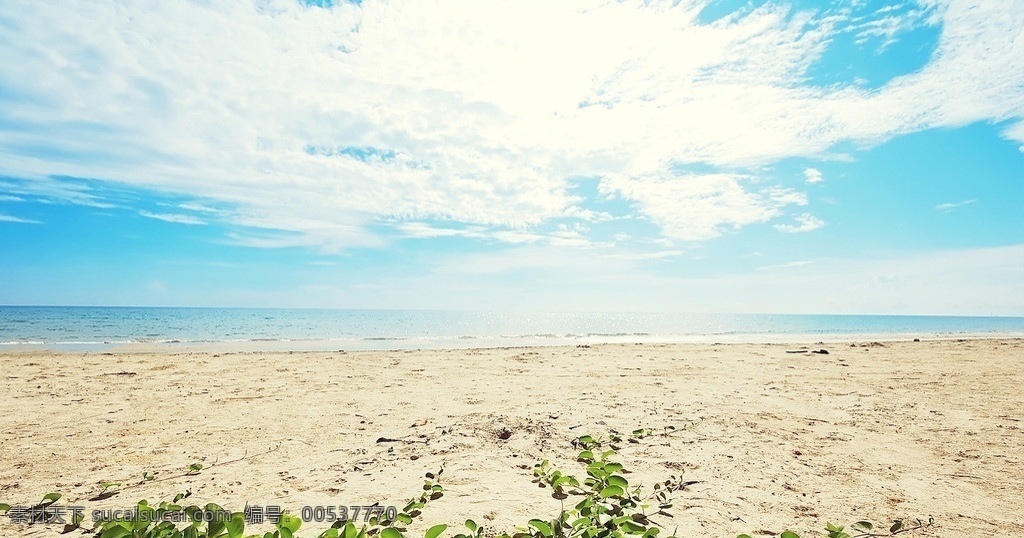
[
  {"x": 775, "y": 440},
  {"x": 481, "y": 343}
]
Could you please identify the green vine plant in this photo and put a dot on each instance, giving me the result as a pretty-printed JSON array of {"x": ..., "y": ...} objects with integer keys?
[{"x": 605, "y": 505}]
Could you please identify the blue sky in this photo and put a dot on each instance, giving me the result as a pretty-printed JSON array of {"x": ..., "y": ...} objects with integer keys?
[{"x": 696, "y": 156}]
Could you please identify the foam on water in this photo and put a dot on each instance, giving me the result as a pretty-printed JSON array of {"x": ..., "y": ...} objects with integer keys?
[{"x": 99, "y": 327}]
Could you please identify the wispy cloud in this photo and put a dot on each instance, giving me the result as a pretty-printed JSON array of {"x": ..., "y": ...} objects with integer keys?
[
  {"x": 199, "y": 208},
  {"x": 587, "y": 215},
  {"x": 657, "y": 255},
  {"x": 177, "y": 218},
  {"x": 949, "y": 206},
  {"x": 424, "y": 230},
  {"x": 53, "y": 190},
  {"x": 804, "y": 223},
  {"x": 323, "y": 124},
  {"x": 9, "y": 198},
  {"x": 812, "y": 176},
  {"x": 700, "y": 207},
  {"x": 1016, "y": 132},
  {"x": 888, "y": 22},
  {"x": 787, "y": 265},
  {"x": 563, "y": 235},
  {"x": 11, "y": 218}
]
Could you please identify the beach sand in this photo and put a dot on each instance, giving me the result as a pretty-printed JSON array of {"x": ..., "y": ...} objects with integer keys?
[{"x": 776, "y": 440}]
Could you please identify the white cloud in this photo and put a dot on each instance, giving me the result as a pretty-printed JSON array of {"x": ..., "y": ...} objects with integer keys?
[
  {"x": 569, "y": 237},
  {"x": 805, "y": 223},
  {"x": 787, "y": 265},
  {"x": 423, "y": 230},
  {"x": 657, "y": 255},
  {"x": 1016, "y": 132},
  {"x": 320, "y": 123},
  {"x": 813, "y": 175},
  {"x": 50, "y": 190},
  {"x": 563, "y": 236},
  {"x": 199, "y": 208},
  {"x": 517, "y": 237},
  {"x": 173, "y": 217},
  {"x": 11, "y": 218},
  {"x": 588, "y": 215},
  {"x": 8, "y": 198},
  {"x": 891, "y": 24},
  {"x": 949, "y": 206},
  {"x": 699, "y": 207}
]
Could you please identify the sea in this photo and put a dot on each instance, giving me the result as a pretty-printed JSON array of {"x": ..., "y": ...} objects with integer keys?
[{"x": 103, "y": 328}]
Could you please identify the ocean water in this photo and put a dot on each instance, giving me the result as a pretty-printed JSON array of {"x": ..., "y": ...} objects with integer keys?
[{"x": 260, "y": 328}]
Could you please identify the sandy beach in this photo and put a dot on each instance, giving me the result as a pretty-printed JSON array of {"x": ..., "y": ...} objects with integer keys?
[{"x": 774, "y": 439}]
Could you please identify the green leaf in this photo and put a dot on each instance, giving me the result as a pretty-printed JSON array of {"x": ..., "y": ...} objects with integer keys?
[
  {"x": 471, "y": 525},
  {"x": 612, "y": 491},
  {"x": 863, "y": 525},
  {"x": 191, "y": 512},
  {"x": 596, "y": 469},
  {"x": 789, "y": 534},
  {"x": 897, "y": 525},
  {"x": 744, "y": 536},
  {"x": 542, "y": 526},
  {"x": 215, "y": 526},
  {"x": 404, "y": 518},
  {"x": 616, "y": 480},
  {"x": 391, "y": 532},
  {"x": 633, "y": 528},
  {"x": 236, "y": 525},
  {"x": 435, "y": 531},
  {"x": 289, "y": 522},
  {"x": 195, "y": 467},
  {"x": 115, "y": 532},
  {"x": 4, "y": 507},
  {"x": 52, "y": 497}
]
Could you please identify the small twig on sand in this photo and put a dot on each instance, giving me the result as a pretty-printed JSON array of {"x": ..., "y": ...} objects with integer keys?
[{"x": 390, "y": 440}]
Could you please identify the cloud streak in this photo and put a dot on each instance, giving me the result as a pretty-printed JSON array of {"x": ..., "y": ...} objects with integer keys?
[
  {"x": 949, "y": 206},
  {"x": 804, "y": 223},
  {"x": 176, "y": 218},
  {"x": 18, "y": 220}
]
